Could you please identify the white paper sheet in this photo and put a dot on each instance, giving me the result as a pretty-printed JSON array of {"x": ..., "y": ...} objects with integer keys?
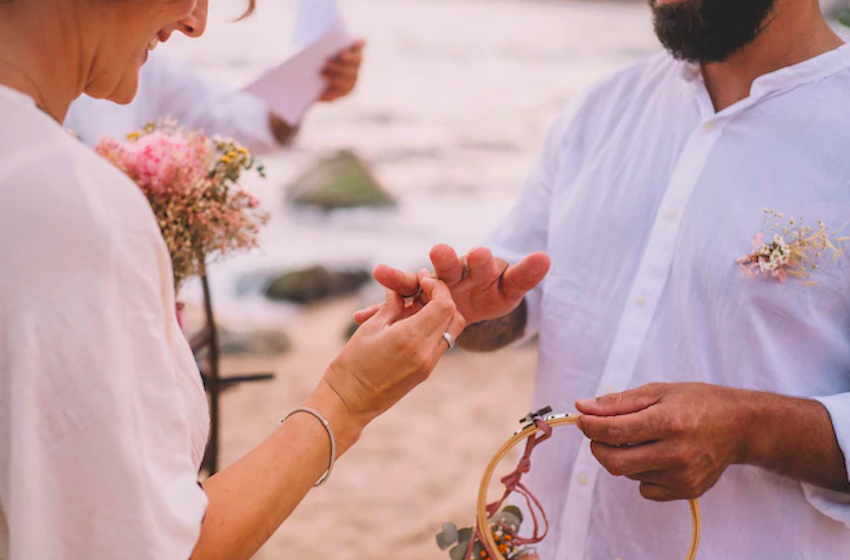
[
  {"x": 315, "y": 17},
  {"x": 290, "y": 88}
]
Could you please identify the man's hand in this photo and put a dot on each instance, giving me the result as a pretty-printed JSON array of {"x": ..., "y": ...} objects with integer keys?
[
  {"x": 342, "y": 72},
  {"x": 675, "y": 439},
  {"x": 483, "y": 287}
]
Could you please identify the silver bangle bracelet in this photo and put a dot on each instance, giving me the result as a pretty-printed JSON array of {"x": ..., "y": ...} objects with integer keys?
[{"x": 328, "y": 429}]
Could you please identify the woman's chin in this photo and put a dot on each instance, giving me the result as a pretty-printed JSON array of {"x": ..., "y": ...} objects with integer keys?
[
  {"x": 123, "y": 94},
  {"x": 121, "y": 91},
  {"x": 126, "y": 90}
]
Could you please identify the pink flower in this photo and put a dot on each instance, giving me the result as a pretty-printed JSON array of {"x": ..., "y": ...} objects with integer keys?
[{"x": 192, "y": 185}]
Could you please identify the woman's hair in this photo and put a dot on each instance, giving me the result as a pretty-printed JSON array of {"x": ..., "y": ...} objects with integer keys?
[{"x": 252, "y": 4}]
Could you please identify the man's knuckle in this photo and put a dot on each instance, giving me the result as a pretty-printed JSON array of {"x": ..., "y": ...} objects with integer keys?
[
  {"x": 616, "y": 466},
  {"x": 598, "y": 451},
  {"x": 649, "y": 492},
  {"x": 677, "y": 424},
  {"x": 688, "y": 484},
  {"x": 680, "y": 458},
  {"x": 615, "y": 434}
]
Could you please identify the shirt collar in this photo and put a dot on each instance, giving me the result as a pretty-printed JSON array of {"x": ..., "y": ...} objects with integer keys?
[{"x": 807, "y": 71}]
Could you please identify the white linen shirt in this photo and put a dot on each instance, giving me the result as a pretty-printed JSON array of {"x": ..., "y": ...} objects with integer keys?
[
  {"x": 103, "y": 418},
  {"x": 168, "y": 87},
  {"x": 644, "y": 197}
]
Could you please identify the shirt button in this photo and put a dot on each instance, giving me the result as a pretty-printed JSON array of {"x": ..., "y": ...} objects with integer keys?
[
  {"x": 582, "y": 479},
  {"x": 671, "y": 215},
  {"x": 609, "y": 389},
  {"x": 640, "y": 301},
  {"x": 708, "y": 127}
]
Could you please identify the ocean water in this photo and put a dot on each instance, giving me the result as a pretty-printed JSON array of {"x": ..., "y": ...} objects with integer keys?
[{"x": 454, "y": 102}]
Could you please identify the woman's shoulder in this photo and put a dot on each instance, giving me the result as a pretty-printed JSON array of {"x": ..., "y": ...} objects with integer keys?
[{"x": 57, "y": 192}]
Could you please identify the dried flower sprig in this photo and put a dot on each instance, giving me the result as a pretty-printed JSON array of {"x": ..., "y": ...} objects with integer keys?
[
  {"x": 192, "y": 184},
  {"x": 794, "y": 250}
]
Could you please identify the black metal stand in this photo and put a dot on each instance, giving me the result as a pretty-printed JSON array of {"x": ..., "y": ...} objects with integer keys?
[{"x": 207, "y": 349}]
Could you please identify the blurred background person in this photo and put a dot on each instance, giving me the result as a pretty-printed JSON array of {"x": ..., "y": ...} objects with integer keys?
[{"x": 169, "y": 87}]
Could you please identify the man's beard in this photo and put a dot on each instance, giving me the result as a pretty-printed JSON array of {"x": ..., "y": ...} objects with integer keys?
[{"x": 708, "y": 31}]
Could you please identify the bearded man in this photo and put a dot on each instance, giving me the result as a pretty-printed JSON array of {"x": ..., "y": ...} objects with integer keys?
[{"x": 710, "y": 383}]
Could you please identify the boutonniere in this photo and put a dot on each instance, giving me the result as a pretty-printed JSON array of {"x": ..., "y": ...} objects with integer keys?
[{"x": 789, "y": 248}]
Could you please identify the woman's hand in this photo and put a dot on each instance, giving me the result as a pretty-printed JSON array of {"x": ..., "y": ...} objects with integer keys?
[{"x": 393, "y": 352}]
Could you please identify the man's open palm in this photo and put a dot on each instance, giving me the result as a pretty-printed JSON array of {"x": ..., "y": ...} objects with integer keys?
[{"x": 484, "y": 287}]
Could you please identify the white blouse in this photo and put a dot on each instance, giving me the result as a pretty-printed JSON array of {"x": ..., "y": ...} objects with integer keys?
[
  {"x": 103, "y": 418},
  {"x": 644, "y": 197}
]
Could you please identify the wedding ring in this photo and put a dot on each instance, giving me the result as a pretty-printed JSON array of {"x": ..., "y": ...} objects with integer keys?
[
  {"x": 408, "y": 300},
  {"x": 450, "y": 340},
  {"x": 414, "y": 296}
]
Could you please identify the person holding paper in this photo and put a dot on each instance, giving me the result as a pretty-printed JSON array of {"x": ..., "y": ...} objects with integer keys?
[
  {"x": 169, "y": 87},
  {"x": 694, "y": 207}
]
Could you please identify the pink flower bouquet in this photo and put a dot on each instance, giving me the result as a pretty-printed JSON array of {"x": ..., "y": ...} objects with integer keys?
[{"x": 192, "y": 184}]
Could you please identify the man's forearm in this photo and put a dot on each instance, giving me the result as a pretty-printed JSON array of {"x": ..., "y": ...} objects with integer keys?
[
  {"x": 795, "y": 438},
  {"x": 487, "y": 336}
]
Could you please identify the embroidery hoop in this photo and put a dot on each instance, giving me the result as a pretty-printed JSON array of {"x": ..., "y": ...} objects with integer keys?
[{"x": 482, "y": 517}]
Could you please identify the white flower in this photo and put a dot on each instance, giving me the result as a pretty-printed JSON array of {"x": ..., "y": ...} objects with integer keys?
[
  {"x": 767, "y": 265},
  {"x": 779, "y": 257}
]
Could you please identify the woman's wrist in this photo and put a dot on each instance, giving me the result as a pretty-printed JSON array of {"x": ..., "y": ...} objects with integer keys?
[{"x": 346, "y": 425}]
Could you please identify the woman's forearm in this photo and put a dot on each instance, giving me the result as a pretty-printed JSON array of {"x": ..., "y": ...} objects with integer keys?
[
  {"x": 250, "y": 499},
  {"x": 386, "y": 358}
]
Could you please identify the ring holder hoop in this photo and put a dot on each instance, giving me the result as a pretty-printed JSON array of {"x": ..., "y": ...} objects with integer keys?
[{"x": 537, "y": 424}]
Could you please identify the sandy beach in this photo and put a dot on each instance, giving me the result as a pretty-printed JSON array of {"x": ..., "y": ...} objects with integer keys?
[{"x": 414, "y": 468}]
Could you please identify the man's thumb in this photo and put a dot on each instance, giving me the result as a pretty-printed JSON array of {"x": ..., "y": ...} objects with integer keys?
[
  {"x": 617, "y": 404},
  {"x": 525, "y": 275}
]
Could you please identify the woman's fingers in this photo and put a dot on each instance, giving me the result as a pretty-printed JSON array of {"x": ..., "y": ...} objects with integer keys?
[
  {"x": 364, "y": 315},
  {"x": 403, "y": 283},
  {"x": 392, "y": 309},
  {"x": 440, "y": 309},
  {"x": 455, "y": 328}
]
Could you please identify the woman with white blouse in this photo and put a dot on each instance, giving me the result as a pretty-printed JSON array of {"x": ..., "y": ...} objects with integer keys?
[{"x": 103, "y": 419}]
